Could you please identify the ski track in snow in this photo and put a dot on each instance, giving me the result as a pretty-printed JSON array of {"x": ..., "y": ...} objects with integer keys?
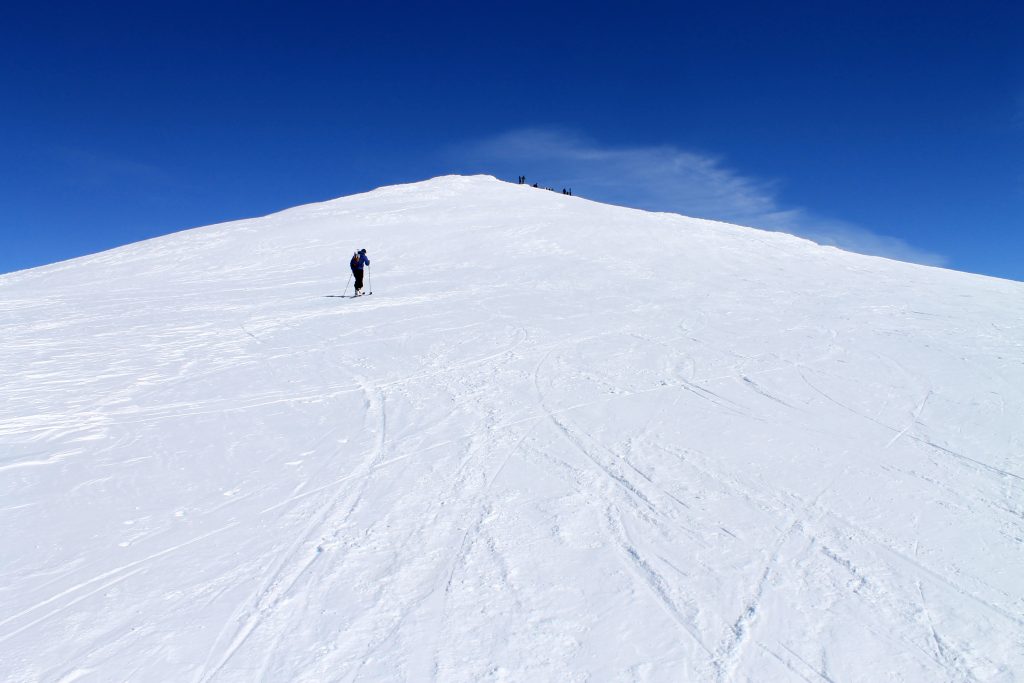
[{"x": 766, "y": 460}]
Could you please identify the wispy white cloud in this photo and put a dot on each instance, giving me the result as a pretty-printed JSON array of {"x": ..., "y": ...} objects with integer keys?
[{"x": 666, "y": 178}]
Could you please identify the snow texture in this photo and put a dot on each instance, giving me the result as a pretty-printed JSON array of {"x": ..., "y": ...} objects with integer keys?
[{"x": 562, "y": 441}]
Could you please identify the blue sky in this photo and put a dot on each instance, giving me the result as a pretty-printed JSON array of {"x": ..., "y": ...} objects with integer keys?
[{"x": 892, "y": 128}]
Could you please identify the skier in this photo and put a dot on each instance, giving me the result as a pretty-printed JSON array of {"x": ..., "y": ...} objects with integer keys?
[{"x": 356, "y": 264}]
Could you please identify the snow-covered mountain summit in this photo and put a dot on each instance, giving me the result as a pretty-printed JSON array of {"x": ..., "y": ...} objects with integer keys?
[{"x": 561, "y": 441}]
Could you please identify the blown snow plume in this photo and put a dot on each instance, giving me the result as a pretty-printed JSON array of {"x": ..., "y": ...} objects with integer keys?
[{"x": 562, "y": 441}]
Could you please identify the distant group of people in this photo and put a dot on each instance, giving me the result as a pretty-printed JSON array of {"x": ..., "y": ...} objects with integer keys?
[{"x": 522, "y": 181}]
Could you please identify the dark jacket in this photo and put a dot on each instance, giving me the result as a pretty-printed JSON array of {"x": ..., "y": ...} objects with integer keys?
[{"x": 357, "y": 264}]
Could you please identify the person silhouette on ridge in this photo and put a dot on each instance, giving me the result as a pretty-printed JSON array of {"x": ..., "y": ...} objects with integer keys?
[{"x": 357, "y": 263}]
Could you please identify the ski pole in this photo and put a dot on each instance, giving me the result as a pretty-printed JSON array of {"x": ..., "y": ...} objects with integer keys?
[
  {"x": 369, "y": 280},
  {"x": 346, "y": 284}
]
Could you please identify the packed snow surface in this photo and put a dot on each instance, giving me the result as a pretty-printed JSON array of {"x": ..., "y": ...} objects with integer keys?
[{"x": 561, "y": 441}]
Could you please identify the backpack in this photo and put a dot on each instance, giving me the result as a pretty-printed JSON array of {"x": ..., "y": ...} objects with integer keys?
[{"x": 354, "y": 263}]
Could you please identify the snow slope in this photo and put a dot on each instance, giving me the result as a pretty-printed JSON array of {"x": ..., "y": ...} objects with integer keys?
[{"x": 562, "y": 441}]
